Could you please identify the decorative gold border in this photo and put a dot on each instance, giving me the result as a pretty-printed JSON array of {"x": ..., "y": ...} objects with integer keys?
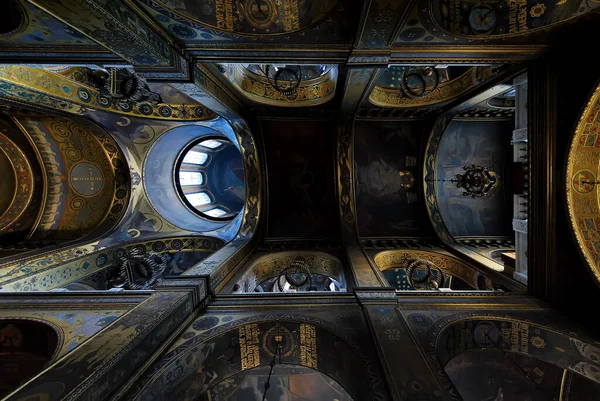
[
  {"x": 582, "y": 207},
  {"x": 24, "y": 181}
]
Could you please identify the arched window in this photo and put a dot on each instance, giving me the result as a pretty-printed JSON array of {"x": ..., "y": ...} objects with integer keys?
[{"x": 210, "y": 178}]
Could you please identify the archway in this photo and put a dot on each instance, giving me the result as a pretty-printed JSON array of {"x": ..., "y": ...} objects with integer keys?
[{"x": 199, "y": 364}]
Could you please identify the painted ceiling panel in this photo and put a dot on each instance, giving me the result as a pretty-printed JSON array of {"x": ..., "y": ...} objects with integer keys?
[
  {"x": 300, "y": 167},
  {"x": 388, "y": 193}
]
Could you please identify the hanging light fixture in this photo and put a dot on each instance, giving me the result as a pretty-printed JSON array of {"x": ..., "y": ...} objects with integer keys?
[
  {"x": 424, "y": 275},
  {"x": 285, "y": 80},
  {"x": 477, "y": 181},
  {"x": 419, "y": 82}
]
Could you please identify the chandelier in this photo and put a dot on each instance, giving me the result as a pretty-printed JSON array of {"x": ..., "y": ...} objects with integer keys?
[
  {"x": 285, "y": 80},
  {"x": 124, "y": 86},
  {"x": 424, "y": 275},
  {"x": 419, "y": 82},
  {"x": 477, "y": 181},
  {"x": 296, "y": 275}
]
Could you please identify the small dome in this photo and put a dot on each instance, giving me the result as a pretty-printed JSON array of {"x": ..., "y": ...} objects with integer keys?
[{"x": 210, "y": 178}]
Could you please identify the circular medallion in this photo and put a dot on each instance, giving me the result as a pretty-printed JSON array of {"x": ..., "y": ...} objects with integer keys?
[
  {"x": 278, "y": 336},
  {"x": 260, "y": 14},
  {"x": 584, "y": 182},
  {"x": 86, "y": 179}
]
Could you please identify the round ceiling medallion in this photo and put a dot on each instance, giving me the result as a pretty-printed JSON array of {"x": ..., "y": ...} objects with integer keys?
[{"x": 583, "y": 197}]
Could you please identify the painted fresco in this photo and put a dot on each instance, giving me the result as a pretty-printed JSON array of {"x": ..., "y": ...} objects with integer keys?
[
  {"x": 333, "y": 29},
  {"x": 288, "y": 382},
  {"x": 485, "y": 143},
  {"x": 496, "y": 376},
  {"x": 490, "y": 19},
  {"x": 300, "y": 157},
  {"x": 388, "y": 190},
  {"x": 267, "y": 17}
]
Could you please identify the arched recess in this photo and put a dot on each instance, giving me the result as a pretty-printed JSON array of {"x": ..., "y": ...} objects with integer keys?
[
  {"x": 452, "y": 82},
  {"x": 223, "y": 354},
  {"x": 268, "y": 273},
  {"x": 73, "y": 179},
  {"x": 581, "y": 184},
  {"x": 312, "y": 85},
  {"x": 265, "y": 18},
  {"x": 26, "y": 348},
  {"x": 393, "y": 265},
  {"x": 517, "y": 359},
  {"x": 441, "y": 184}
]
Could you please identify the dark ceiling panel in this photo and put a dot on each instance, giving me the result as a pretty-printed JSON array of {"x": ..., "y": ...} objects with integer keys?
[
  {"x": 388, "y": 185},
  {"x": 300, "y": 168}
]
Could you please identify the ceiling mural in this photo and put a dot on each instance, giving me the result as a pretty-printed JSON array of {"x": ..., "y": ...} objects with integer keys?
[
  {"x": 332, "y": 29},
  {"x": 388, "y": 191},
  {"x": 581, "y": 184},
  {"x": 504, "y": 19},
  {"x": 406, "y": 86},
  {"x": 261, "y": 17},
  {"x": 86, "y": 190},
  {"x": 283, "y": 85},
  {"x": 459, "y": 22}
]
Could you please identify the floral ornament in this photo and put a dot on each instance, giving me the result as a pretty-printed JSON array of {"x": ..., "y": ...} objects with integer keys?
[
  {"x": 538, "y": 342},
  {"x": 537, "y": 10}
]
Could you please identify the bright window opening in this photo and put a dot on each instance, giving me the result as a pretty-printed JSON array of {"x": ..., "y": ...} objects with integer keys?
[
  {"x": 216, "y": 212},
  {"x": 198, "y": 199},
  {"x": 194, "y": 157},
  {"x": 211, "y": 143},
  {"x": 190, "y": 178}
]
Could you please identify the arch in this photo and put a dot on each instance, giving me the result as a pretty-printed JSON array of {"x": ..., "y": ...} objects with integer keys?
[
  {"x": 267, "y": 18},
  {"x": 581, "y": 192},
  {"x": 448, "y": 264},
  {"x": 73, "y": 179},
  {"x": 226, "y": 352},
  {"x": 267, "y": 268},
  {"x": 26, "y": 348},
  {"x": 511, "y": 341},
  {"x": 160, "y": 170}
]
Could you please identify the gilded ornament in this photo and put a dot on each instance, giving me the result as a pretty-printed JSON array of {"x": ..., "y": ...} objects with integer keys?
[
  {"x": 538, "y": 342},
  {"x": 538, "y": 10}
]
